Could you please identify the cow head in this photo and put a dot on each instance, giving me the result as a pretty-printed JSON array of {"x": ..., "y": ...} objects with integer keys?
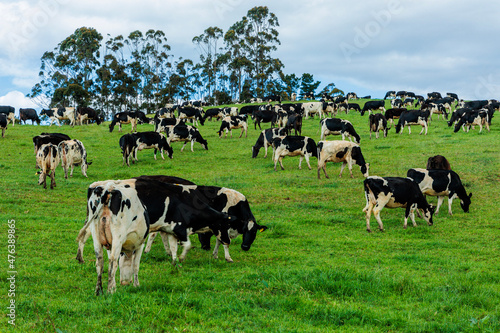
[
  {"x": 427, "y": 213},
  {"x": 465, "y": 202},
  {"x": 249, "y": 234},
  {"x": 167, "y": 147}
]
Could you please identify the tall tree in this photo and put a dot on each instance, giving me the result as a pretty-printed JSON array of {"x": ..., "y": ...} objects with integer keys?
[
  {"x": 207, "y": 44},
  {"x": 308, "y": 85}
]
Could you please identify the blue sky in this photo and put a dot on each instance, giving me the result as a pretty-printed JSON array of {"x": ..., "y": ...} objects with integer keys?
[{"x": 367, "y": 47}]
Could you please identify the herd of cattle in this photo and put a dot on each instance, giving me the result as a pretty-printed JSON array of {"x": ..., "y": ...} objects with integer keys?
[{"x": 122, "y": 213}]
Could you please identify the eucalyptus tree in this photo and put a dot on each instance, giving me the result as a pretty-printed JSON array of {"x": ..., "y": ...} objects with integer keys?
[{"x": 207, "y": 44}]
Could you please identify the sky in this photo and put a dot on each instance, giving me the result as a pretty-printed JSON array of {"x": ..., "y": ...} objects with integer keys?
[{"x": 368, "y": 47}]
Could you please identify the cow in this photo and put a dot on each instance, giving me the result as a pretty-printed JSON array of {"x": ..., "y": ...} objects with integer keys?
[
  {"x": 9, "y": 113},
  {"x": 61, "y": 113},
  {"x": 441, "y": 183},
  {"x": 192, "y": 113},
  {"x": 408, "y": 102},
  {"x": 311, "y": 108},
  {"x": 129, "y": 117},
  {"x": 293, "y": 98},
  {"x": 378, "y": 122},
  {"x": 45, "y": 138},
  {"x": 396, "y": 103},
  {"x": 185, "y": 133},
  {"x": 478, "y": 104},
  {"x": 434, "y": 95},
  {"x": 249, "y": 109},
  {"x": 473, "y": 117},
  {"x": 409, "y": 95},
  {"x": 293, "y": 146},
  {"x": 28, "y": 114},
  {"x": 3, "y": 123},
  {"x": 264, "y": 116},
  {"x": 166, "y": 112},
  {"x": 294, "y": 122},
  {"x": 401, "y": 94},
  {"x": 281, "y": 118},
  {"x": 216, "y": 113},
  {"x": 131, "y": 143},
  {"x": 266, "y": 139},
  {"x": 47, "y": 159},
  {"x": 438, "y": 162},
  {"x": 439, "y": 109},
  {"x": 272, "y": 98},
  {"x": 394, "y": 113},
  {"x": 337, "y": 126},
  {"x": 233, "y": 122},
  {"x": 71, "y": 153},
  {"x": 353, "y": 106},
  {"x": 230, "y": 111},
  {"x": 351, "y": 95},
  {"x": 413, "y": 117},
  {"x": 85, "y": 113},
  {"x": 394, "y": 192},
  {"x": 255, "y": 100},
  {"x": 453, "y": 96},
  {"x": 118, "y": 221},
  {"x": 347, "y": 152},
  {"x": 309, "y": 95},
  {"x": 389, "y": 94},
  {"x": 160, "y": 123},
  {"x": 373, "y": 106},
  {"x": 457, "y": 114}
]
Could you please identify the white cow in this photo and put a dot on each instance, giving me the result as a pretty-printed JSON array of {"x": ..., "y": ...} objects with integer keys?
[
  {"x": 341, "y": 151},
  {"x": 72, "y": 152}
]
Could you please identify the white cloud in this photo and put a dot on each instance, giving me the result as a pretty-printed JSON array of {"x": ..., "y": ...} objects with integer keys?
[{"x": 17, "y": 100}]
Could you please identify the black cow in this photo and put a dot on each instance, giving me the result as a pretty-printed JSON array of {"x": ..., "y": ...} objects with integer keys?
[
  {"x": 191, "y": 113},
  {"x": 85, "y": 113},
  {"x": 394, "y": 192},
  {"x": 266, "y": 139},
  {"x": 373, "y": 105},
  {"x": 390, "y": 93},
  {"x": 337, "y": 126},
  {"x": 294, "y": 122},
  {"x": 28, "y": 114},
  {"x": 409, "y": 95},
  {"x": 457, "y": 114},
  {"x": 378, "y": 122},
  {"x": 473, "y": 117},
  {"x": 249, "y": 109},
  {"x": 293, "y": 146},
  {"x": 3, "y": 123},
  {"x": 45, "y": 138},
  {"x": 473, "y": 104},
  {"x": 131, "y": 143},
  {"x": 9, "y": 112},
  {"x": 400, "y": 94},
  {"x": 272, "y": 98},
  {"x": 434, "y": 95},
  {"x": 264, "y": 116},
  {"x": 441, "y": 183},
  {"x": 185, "y": 133},
  {"x": 413, "y": 117},
  {"x": 453, "y": 96},
  {"x": 129, "y": 117}
]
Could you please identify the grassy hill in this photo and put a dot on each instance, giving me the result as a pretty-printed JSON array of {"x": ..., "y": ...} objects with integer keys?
[{"x": 315, "y": 269}]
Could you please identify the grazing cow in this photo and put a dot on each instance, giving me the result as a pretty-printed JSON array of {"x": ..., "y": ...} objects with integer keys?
[
  {"x": 453, "y": 96},
  {"x": 47, "y": 159},
  {"x": 439, "y": 109},
  {"x": 62, "y": 113},
  {"x": 401, "y": 94},
  {"x": 378, "y": 122},
  {"x": 71, "y": 153},
  {"x": 282, "y": 118},
  {"x": 28, "y": 114},
  {"x": 351, "y": 95},
  {"x": 293, "y": 146},
  {"x": 337, "y": 126},
  {"x": 434, "y": 95},
  {"x": 438, "y": 162},
  {"x": 413, "y": 117},
  {"x": 264, "y": 116},
  {"x": 131, "y": 143},
  {"x": 366, "y": 97},
  {"x": 394, "y": 192},
  {"x": 160, "y": 123},
  {"x": 457, "y": 114},
  {"x": 216, "y": 113},
  {"x": 233, "y": 122},
  {"x": 185, "y": 133},
  {"x": 409, "y": 95},
  {"x": 390, "y": 93},
  {"x": 473, "y": 104},
  {"x": 118, "y": 221},
  {"x": 45, "y": 138},
  {"x": 3, "y": 123},
  {"x": 441, "y": 183},
  {"x": 255, "y": 100},
  {"x": 129, "y": 117},
  {"x": 266, "y": 138},
  {"x": 408, "y": 102},
  {"x": 272, "y": 98},
  {"x": 294, "y": 122},
  {"x": 353, "y": 106},
  {"x": 311, "y": 108},
  {"x": 396, "y": 103},
  {"x": 341, "y": 151},
  {"x": 373, "y": 106},
  {"x": 86, "y": 113},
  {"x": 473, "y": 117},
  {"x": 9, "y": 113},
  {"x": 230, "y": 111},
  {"x": 192, "y": 113}
]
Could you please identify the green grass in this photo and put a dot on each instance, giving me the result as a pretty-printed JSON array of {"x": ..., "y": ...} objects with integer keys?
[{"x": 315, "y": 269}]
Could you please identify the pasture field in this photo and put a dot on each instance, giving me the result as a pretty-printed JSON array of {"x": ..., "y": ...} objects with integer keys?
[{"x": 316, "y": 269}]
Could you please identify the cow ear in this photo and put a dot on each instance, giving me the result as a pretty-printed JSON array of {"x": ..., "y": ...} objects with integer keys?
[{"x": 470, "y": 195}]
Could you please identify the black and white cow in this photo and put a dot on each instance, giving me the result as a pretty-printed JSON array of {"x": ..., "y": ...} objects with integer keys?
[
  {"x": 477, "y": 104},
  {"x": 272, "y": 98},
  {"x": 44, "y": 138},
  {"x": 71, "y": 153},
  {"x": 249, "y": 109},
  {"x": 351, "y": 95},
  {"x": 457, "y": 114},
  {"x": 413, "y": 117},
  {"x": 185, "y": 133},
  {"x": 302, "y": 146},
  {"x": 309, "y": 95},
  {"x": 192, "y": 113},
  {"x": 166, "y": 112},
  {"x": 3, "y": 123},
  {"x": 129, "y": 117},
  {"x": 216, "y": 113},
  {"x": 345, "y": 152},
  {"x": 473, "y": 117},
  {"x": 409, "y": 95},
  {"x": 441, "y": 183},
  {"x": 26, "y": 114},
  {"x": 312, "y": 108},
  {"x": 47, "y": 159},
  {"x": 400, "y": 94},
  {"x": 395, "y": 192},
  {"x": 160, "y": 123},
  {"x": 118, "y": 221},
  {"x": 131, "y": 143},
  {"x": 396, "y": 103},
  {"x": 294, "y": 122},
  {"x": 439, "y": 109},
  {"x": 394, "y": 113},
  {"x": 338, "y": 126},
  {"x": 264, "y": 116},
  {"x": 266, "y": 138},
  {"x": 453, "y": 96},
  {"x": 85, "y": 114},
  {"x": 389, "y": 94},
  {"x": 373, "y": 106},
  {"x": 434, "y": 95},
  {"x": 233, "y": 122},
  {"x": 378, "y": 122},
  {"x": 9, "y": 113}
]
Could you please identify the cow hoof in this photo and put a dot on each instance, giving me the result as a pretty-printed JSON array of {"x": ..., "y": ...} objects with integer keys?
[
  {"x": 369, "y": 230},
  {"x": 230, "y": 260}
]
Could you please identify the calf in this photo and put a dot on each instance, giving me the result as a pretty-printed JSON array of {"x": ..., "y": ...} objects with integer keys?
[
  {"x": 473, "y": 117},
  {"x": 337, "y": 126},
  {"x": 266, "y": 138},
  {"x": 293, "y": 146},
  {"x": 185, "y": 133},
  {"x": 193, "y": 113},
  {"x": 3, "y": 123},
  {"x": 47, "y": 159},
  {"x": 378, "y": 122},
  {"x": 438, "y": 162},
  {"x": 373, "y": 106},
  {"x": 413, "y": 117},
  {"x": 441, "y": 183},
  {"x": 131, "y": 143},
  {"x": 233, "y": 122},
  {"x": 118, "y": 221},
  {"x": 8, "y": 111},
  {"x": 394, "y": 192},
  {"x": 28, "y": 114},
  {"x": 71, "y": 153},
  {"x": 341, "y": 151}
]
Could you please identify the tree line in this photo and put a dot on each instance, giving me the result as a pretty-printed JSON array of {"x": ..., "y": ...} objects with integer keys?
[{"x": 139, "y": 71}]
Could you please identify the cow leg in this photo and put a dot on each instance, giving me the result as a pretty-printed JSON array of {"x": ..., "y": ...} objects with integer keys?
[
  {"x": 376, "y": 212},
  {"x": 172, "y": 241},
  {"x": 342, "y": 168},
  {"x": 182, "y": 148},
  {"x": 52, "y": 179},
  {"x": 72, "y": 168},
  {"x": 368, "y": 209},
  {"x": 450, "y": 201},
  {"x": 114, "y": 254},
  {"x": 409, "y": 129},
  {"x": 265, "y": 149},
  {"x": 439, "y": 203},
  {"x": 186, "y": 247},
  {"x": 215, "y": 253},
  {"x": 166, "y": 239},
  {"x": 307, "y": 160},
  {"x": 136, "y": 263},
  {"x": 241, "y": 134},
  {"x": 99, "y": 258},
  {"x": 192, "y": 146},
  {"x": 300, "y": 162},
  {"x": 151, "y": 238},
  {"x": 280, "y": 159}
]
